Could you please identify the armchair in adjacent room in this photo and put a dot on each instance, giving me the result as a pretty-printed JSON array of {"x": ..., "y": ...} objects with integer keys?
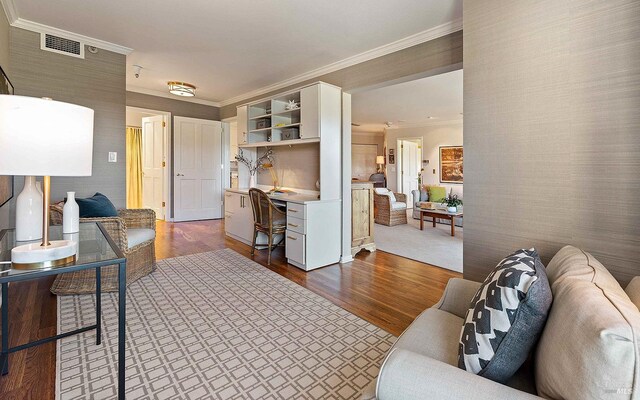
[{"x": 389, "y": 208}]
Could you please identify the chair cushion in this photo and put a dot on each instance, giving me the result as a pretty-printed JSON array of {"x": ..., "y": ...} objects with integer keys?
[
  {"x": 437, "y": 193},
  {"x": 633, "y": 291},
  {"x": 398, "y": 205},
  {"x": 506, "y": 317},
  {"x": 139, "y": 235},
  {"x": 97, "y": 206},
  {"x": 434, "y": 333},
  {"x": 382, "y": 191},
  {"x": 386, "y": 192},
  {"x": 589, "y": 347}
]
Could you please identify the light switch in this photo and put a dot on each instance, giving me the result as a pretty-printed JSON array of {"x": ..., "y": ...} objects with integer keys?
[
  {"x": 434, "y": 171},
  {"x": 113, "y": 156}
]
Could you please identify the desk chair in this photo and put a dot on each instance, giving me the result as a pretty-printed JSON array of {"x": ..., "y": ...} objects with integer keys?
[{"x": 268, "y": 219}]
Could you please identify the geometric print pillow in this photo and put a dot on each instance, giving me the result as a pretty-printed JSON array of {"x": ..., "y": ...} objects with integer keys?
[{"x": 506, "y": 317}]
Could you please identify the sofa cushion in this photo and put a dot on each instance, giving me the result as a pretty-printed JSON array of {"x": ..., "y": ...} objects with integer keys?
[
  {"x": 506, "y": 317},
  {"x": 139, "y": 235},
  {"x": 434, "y": 333},
  {"x": 437, "y": 193},
  {"x": 96, "y": 207},
  {"x": 424, "y": 193},
  {"x": 633, "y": 291},
  {"x": 589, "y": 348}
]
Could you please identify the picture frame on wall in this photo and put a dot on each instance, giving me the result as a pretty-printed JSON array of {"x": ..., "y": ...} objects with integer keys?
[
  {"x": 6, "y": 182},
  {"x": 392, "y": 157},
  {"x": 451, "y": 164}
]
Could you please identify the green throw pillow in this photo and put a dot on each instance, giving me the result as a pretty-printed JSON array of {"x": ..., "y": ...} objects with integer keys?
[{"x": 437, "y": 193}]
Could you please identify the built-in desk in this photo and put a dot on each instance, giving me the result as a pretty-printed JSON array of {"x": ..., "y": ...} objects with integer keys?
[{"x": 313, "y": 233}]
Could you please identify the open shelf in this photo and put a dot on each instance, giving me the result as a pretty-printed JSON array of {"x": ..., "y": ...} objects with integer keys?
[
  {"x": 286, "y": 126},
  {"x": 280, "y": 143},
  {"x": 261, "y": 116},
  {"x": 260, "y": 130}
]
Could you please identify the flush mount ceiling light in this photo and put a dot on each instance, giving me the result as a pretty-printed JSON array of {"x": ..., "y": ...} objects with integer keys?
[{"x": 182, "y": 89}]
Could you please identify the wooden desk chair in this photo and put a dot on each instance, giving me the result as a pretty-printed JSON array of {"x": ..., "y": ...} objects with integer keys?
[{"x": 268, "y": 219}]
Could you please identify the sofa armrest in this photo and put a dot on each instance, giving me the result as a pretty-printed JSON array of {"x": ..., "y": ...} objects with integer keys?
[
  {"x": 401, "y": 197},
  {"x": 410, "y": 376},
  {"x": 415, "y": 194},
  {"x": 139, "y": 218},
  {"x": 457, "y": 296}
]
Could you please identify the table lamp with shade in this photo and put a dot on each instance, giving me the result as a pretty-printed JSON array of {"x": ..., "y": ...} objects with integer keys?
[
  {"x": 380, "y": 162},
  {"x": 42, "y": 137}
]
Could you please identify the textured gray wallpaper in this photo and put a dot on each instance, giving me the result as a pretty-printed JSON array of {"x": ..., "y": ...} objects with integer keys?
[
  {"x": 552, "y": 130},
  {"x": 97, "y": 82}
]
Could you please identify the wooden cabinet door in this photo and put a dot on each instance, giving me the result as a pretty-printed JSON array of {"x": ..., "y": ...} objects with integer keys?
[{"x": 361, "y": 216}]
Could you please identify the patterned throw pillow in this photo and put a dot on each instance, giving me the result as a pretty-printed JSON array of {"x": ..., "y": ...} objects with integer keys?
[{"x": 506, "y": 317}]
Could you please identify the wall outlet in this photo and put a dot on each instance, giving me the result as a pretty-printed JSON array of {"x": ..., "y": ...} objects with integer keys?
[
  {"x": 434, "y": 171},
  {"x": 113, "y": 156}
]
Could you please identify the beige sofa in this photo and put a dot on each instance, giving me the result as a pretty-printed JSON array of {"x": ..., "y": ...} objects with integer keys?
[{"x": 588, "y": 349}]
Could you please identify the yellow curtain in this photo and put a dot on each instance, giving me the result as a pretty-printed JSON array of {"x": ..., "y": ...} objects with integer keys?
[{"x": 134, "y": 167}]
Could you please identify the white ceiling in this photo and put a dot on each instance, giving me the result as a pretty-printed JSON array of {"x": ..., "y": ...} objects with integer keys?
[
  {"x": 228, "y": 48},
  {"x": 409, "y": 104}
]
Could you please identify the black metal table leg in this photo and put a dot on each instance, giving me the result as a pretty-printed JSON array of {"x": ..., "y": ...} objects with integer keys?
[
  {"x": 122, "y": 300},
  {"x": 4, "y": 354},
  {"x": 98, "y": 307}
]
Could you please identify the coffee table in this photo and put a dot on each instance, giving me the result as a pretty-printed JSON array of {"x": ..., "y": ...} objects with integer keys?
[{"x": 442, "y": 214}]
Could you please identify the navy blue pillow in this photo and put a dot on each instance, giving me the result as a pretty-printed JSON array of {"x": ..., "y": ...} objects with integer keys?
[{"x": 97, "y": 206}]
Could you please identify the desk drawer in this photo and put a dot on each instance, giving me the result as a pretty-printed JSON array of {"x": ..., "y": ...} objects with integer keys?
[
  {"x": 295, "y": 247},
  {"x": 297, "y": 210},
  {"x": 296, "y": 224}
]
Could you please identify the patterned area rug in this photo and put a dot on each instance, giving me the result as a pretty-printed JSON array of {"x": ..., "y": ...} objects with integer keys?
[{"x": 218, "y": 326}]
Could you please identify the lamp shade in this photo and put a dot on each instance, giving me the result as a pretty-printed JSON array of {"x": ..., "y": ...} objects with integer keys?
[
  {"x": 41, "y": 137},
  {"x": 379, "y": 159}
]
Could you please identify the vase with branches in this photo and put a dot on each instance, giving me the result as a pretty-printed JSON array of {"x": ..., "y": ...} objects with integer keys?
[{"x": 254, "y": 166}]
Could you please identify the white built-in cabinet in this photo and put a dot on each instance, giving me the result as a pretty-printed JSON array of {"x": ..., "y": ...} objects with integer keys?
[{"x": 313, "y": 234}]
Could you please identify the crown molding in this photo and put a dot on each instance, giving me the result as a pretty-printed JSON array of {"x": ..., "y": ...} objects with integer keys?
[
  {"x": 426, "y": 124},
  {"x": 418, "y": 38},
  {"x": 87, "y": 40},
  {"x": 10, "y": 10},
  {"x": 167, "y": 95}
]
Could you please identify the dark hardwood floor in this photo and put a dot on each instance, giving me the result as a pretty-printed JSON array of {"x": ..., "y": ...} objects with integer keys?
[{"x": 382, "y": 288}]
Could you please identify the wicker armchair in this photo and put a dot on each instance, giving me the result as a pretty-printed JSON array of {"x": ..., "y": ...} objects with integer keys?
[
  {"x": 141, "y": 257},
  {"x": 385, "y": 213}
]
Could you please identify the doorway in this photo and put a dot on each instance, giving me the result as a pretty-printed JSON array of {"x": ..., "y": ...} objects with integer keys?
[
  {"x": 147, "y": 159},
  {"x": 409, "y": 165}
]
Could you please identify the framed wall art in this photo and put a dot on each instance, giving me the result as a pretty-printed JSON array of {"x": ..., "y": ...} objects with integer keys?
[{"x": 451, "y": 164}]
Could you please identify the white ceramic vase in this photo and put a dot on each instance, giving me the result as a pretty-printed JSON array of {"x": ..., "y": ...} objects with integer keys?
[
  {"x": 252, "y": 181},
  {"x": 71, "y": 214},
  {"x": 29, "y": 211},
  {"x": 452, "y": 209}
]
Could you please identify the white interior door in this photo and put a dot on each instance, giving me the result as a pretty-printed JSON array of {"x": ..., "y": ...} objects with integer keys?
[
  {"x": 153, "y": 161},
  {"x": 410, "y": 167},
  {"x": 197, "y": 169}
]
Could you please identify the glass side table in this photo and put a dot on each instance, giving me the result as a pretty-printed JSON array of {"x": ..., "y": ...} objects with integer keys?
[{"x": 96, "y": 249}]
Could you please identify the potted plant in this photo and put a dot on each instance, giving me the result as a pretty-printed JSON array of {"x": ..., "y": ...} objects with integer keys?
[{"x": 452, "y": 201}]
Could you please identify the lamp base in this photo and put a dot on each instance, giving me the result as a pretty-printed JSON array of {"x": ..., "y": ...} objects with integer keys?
[{"x": 35, "y": 256}]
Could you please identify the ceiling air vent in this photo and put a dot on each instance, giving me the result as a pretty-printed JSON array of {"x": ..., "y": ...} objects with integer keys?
[{"x": 61, "y": 45}]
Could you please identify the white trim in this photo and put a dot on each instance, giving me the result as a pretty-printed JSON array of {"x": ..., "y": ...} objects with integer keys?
[
  {"x": 86, "y": 40},
  {"x": 10, "y": 10},
  {"x": 167, "y": 173},
  {"x": 392, "y": 47},
  {"x": 168, "y": 95},
  {"x": 427, "y": 123}
]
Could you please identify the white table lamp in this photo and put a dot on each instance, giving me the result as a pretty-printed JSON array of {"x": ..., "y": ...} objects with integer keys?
[
  {"x": 42, "y": 137},
  {"x": 380, "y": 162}
]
